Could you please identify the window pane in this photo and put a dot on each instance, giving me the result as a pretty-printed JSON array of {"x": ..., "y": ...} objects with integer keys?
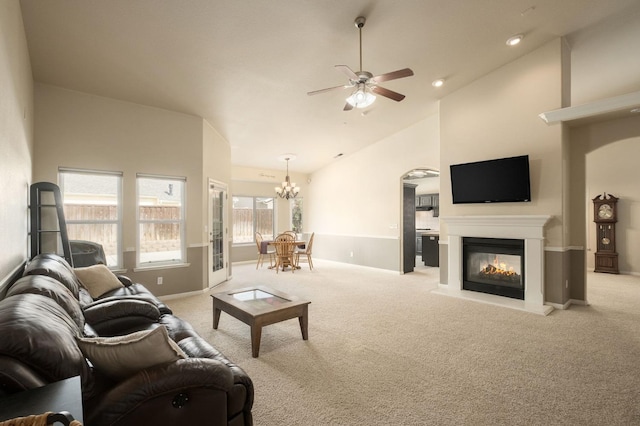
[
  {"x": 296, "y": 215},
  {"x": 79, "y": 188},
  {"x": 160, "y": 215},
  {"x": 91, "y": 210},
  {"x": 163, "y": 193},
  {"x": 160, "y": 242},
  {"x": 243, "y": 220},
  {"x": 251, "y": 215},
  {"x": 264, "y": 217},
  {"x": 106, "y": 233}
]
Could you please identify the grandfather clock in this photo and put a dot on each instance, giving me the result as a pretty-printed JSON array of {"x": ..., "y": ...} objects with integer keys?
[{"x": 605, "y": 215}]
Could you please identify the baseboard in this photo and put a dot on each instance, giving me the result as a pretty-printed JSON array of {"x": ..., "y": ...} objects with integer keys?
[
  {"x": 579, "y": 302},
  {"x": 337, "y": 262},
  {"x": 559, "y": 306},
  {"x": 181, "y": 295}
]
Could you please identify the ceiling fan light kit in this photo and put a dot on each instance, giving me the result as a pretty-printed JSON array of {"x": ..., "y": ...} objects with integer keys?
[
  {"x": 361, "y": 98},
  {"x": 365, "y": 83}
]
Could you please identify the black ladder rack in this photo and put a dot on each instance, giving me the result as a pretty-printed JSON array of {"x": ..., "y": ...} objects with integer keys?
[{"x": 48, "y": 226}]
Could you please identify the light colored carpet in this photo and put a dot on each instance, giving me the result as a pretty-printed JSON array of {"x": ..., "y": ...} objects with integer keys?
[{"x": 384, "y": 350}]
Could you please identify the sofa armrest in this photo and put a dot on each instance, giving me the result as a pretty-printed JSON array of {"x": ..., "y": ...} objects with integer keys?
[
  {"x": 136, "y": 291},
  {"x": 126, "y": 281},
  {"x": 103, "y": 311},
  {"x": 188, "y": 391},
  {"x": 17, "y": 377}
]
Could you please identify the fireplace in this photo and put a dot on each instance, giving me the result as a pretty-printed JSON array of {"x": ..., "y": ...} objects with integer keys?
[
  {"x": 526, "y": 228},
  {"x": 494, "y": 266}
]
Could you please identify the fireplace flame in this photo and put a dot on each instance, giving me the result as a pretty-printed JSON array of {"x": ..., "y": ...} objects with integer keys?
[{"x": 497, "y": 268}]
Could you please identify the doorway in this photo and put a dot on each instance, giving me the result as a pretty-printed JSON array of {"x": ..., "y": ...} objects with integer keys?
[
  {"x": 218, "y": 233},
  {"x": 418, "y": 214}
]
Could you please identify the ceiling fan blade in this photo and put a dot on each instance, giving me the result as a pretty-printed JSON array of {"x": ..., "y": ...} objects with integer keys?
[
  {"x": 406, "y": 72},
  {"x": 387, "y": 93},
  {"x": 349, "y": 72},
  {"x": 328, "y": 89},
  {"x": 348, "y": 107}
]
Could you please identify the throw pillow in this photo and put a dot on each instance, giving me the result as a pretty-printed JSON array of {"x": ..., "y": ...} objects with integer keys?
[
  {"x": 97, "y": 279},
  {"x": 122, "y": 356}
]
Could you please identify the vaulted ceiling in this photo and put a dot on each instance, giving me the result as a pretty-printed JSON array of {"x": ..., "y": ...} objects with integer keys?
[{"x": 246, "y": 65}]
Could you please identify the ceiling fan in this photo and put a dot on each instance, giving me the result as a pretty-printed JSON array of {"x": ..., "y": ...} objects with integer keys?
[{"x": 364, "y": 82}]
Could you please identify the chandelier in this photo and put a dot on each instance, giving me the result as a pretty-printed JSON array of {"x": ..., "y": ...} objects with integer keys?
[{"x": 288, "y": 188}]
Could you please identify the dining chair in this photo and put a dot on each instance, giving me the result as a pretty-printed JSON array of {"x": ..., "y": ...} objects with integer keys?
[
  {"x": 285, "y": 245},
  {"x": 293, "y": 234},
  {"x": 263, "y": 249},
  {"x": 306, "y": 252}
]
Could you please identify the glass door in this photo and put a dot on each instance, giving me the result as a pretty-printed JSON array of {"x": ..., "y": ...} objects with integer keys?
[{"x": 218, "y": 258}]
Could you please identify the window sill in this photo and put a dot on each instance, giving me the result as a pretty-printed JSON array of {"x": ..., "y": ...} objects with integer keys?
[{"x": 161, "y": 266}]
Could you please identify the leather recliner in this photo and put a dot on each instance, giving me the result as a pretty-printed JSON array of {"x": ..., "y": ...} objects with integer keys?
[{"x": 40, "y": 318}]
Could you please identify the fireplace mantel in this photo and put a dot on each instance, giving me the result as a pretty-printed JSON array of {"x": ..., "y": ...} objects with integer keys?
[{"x": 529, "y": 228}]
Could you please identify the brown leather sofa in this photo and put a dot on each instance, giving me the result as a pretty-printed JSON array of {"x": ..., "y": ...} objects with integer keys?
[{"x": 46, "y": 311}]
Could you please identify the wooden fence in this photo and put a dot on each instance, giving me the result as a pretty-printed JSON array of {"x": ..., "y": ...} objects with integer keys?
[
  {"x": 242, "y": 222},
  {"x": 106, "y": 234}
]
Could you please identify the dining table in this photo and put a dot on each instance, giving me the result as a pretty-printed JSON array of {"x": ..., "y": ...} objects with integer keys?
[{"x": 299, "y": 244}]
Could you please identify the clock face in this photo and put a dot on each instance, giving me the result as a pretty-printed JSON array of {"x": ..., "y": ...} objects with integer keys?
[{"x": 605, "y": 211}]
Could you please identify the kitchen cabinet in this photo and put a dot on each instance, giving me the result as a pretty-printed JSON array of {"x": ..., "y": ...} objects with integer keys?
[
  {"x": 430, "y": 250},
  {"x": 426, "y": 201}
]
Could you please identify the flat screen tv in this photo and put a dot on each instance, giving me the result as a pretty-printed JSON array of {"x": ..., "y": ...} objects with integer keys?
[{"x": 493, "y": 181}]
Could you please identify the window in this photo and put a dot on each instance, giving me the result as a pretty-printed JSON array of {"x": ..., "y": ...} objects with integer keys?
[
  {"x": 161, "y": 220},
  {"x": 296, "y": 215},
  {"x": 93, "y": 209},
  {"x": 251, "y": 215}
]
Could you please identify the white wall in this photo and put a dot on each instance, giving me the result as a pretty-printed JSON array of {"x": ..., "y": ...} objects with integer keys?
[
  {"x": 357, "y": 201},
  {"x": 427, "y": 185},
  {"x": 604, "y": 58},
  {"x": 361, "y": 194},
  {"x": 84, "y": 131},
  {"x": 604, "y": 155},
  {"x": 497, "y": 116},
  {"x": 16, "y": 138},
  {"x": 79, "y": 130},
  {"x": 614, "y": 169}
]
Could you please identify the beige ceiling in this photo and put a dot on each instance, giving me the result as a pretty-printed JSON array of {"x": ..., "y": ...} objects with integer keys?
[{"x": 245, "y": 65}]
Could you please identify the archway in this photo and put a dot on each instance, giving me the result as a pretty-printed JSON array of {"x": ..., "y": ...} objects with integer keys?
[
  {"x": 420, "y": 208},
  {"x": 602, "y": 160}
]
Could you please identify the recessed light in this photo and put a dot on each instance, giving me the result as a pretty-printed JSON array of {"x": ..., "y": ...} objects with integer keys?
[
  {"x": 516, "y": 39},
  {"x": 438, "y": 83}
]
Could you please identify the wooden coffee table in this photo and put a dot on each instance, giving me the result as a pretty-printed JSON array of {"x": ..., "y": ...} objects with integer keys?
[{"x": 260, "y": 306}]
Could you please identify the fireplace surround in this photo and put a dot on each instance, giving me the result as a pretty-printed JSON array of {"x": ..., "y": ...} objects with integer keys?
[{"x": 528, "y": 228}]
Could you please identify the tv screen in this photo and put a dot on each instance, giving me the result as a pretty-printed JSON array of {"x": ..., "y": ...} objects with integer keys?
[{"x": 492, "y": 181}]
